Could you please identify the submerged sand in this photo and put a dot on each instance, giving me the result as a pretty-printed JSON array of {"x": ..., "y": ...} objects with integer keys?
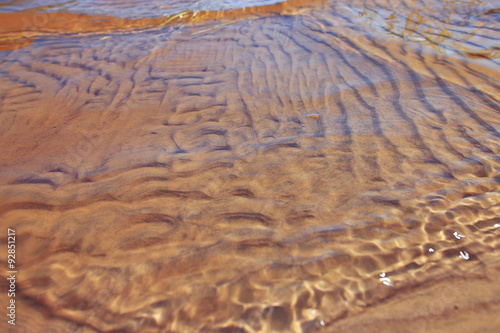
[{"x": 300, "y": 167}]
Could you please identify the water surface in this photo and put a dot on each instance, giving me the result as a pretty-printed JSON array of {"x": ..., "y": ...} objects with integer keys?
[{"x": 302, "y": 166}]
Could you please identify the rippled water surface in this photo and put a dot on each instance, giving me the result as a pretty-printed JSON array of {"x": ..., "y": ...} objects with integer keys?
[{"x": 224, "y": 166}]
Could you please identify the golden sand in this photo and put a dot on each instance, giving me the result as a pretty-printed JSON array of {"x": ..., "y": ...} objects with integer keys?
[{"x": 301, "y": 167}]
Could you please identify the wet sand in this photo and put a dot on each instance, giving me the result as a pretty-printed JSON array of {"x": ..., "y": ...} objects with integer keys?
[{"x": 300, "y": 167}]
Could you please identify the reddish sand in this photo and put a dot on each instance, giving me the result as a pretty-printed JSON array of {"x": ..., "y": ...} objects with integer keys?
[{"x": 296, "y": 168}]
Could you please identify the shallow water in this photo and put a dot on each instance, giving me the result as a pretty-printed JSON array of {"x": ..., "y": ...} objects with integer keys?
[{"x": 300, "y": 167}]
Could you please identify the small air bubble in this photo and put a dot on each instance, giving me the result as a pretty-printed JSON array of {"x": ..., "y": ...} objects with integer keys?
[{"x": 385, "y": 280}]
